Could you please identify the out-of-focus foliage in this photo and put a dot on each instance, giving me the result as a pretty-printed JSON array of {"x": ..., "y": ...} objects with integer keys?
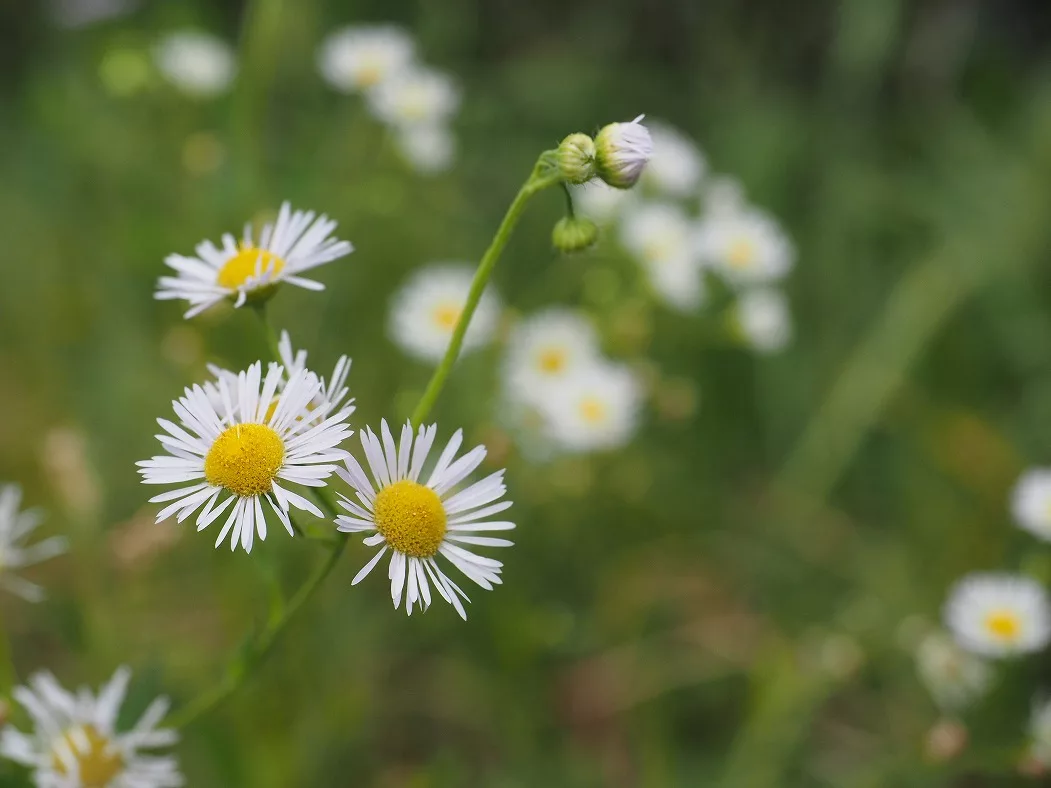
[{"x": 729, "y": 601}]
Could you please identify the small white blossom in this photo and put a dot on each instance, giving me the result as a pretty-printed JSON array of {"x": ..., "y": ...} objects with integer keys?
[
  {"x": 1031, "y": 502},
  {"x": 999, "y": 615},
  {"x": 660, "y": 236},
  {"x": 746, "y": 246},
  {"x": 954, "y": 678},
  {"x": 763, "y": 318},
  {"x": 416, "y": 97},
  {"x": 428, "y": 149},
  {"x": 622, "y": 151},
  {"x": 360, "y": 58},
  {"x": 677, "y": 165},
  {"x": 198, "y": 64}
]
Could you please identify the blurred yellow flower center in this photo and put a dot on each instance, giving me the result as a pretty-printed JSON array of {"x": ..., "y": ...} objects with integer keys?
[
  {"x": 1003, "y": 624},
  {"x": 414, "y": 104},
  {"x": 370, "y": 73},
  {"x": 741, "y": 253},
  {"x": 593, "y": 410},
  {"x": 244, "y": 459},
  {"x": 97, "y": 763},
  {"x": 447, "y": 315},
  {"x": 658, "y": 250},
  {"x": 411, "y": 518},
  {"x": 552, "y": 360},
  {"x": 242, "y": 266}
]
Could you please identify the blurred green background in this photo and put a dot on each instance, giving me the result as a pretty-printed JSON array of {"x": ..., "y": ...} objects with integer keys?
[{"x": 722, "y": 603}]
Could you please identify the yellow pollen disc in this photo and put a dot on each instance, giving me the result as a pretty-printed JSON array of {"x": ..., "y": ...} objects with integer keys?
[
  {"x": 552, "y": 360},
  {"x": 237, "y": 270},
  {"x": 370, "y": 74},
  {"x": 98, "y": 764},
  {"x": 1003, "y": 625},
  {"x": 244, "y": 459},
  {"x": 411, "y": 518},
  {"x": 447, "y": 315},
  {"x": 741, "y": 253},
  {"x": 593, "y": 410}
]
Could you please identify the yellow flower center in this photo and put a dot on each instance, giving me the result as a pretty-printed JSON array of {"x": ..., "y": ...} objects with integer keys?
[
  {"x": 741, "y": 253},
  {"x": 593, "y": 410},
  {"x": 447, "y": 315},
  {"x": 244, "y": 459},
  {"x": 411, "y": 518},
  {"x": 239, "y": 268},
  {"x": 552, "y": 360},
  {"x": 1004, "y": 625},
  {"x": 97, "y": 765},
  {"x": 370, "y": 73},
  {"x": 414, "y": 105}
]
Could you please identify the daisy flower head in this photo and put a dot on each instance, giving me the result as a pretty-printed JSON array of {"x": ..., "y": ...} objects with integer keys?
[
  {"x": 622, "y": 151},
  {"x": 746, "y": 246},
  {"x": 252, "y": 269},
  {"x": 332, "y": 392},
  {"x": 1031, "y": 502},
  {"x": 660, "y": 236},
  {"x": 75, "y": 742},
  {"x": 999, "y": 615},
  {"x": 600, "y": 202},
  {"x": 360, "y": 58},
  {"x": 427, "y": 149},
  {"x": 548, "y": 349},
  {"x": 425, "y": 311},
  {"x": 234, "y": 457},
  {"x": 677, "y": 165},
  {"x": 199, "y": 64},
  {"x": 415, "y": 97},
  {"x": 954, "y": 677},
  {"x": 763, "y": 320},
  {"x": 419, "y": 520},
  {"x": 15, "y": 528},
  {"x": 595, "y": 410}
]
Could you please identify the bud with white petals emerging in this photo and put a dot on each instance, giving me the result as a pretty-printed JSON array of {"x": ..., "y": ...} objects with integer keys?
[
  {"x": 574, "y": 234},
  {"x": 576, "y": 158},
  {"x": 621, "y": 152}
]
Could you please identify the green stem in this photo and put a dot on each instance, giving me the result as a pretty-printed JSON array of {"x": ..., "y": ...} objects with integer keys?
[
  {"x": 272, "y": 342},
  {"x": 543, "y": 175}
]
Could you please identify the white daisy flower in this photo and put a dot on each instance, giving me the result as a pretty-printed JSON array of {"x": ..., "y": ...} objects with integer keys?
[
  {"x": 723, "y": 194},
  {"x": 199, "y": 64},
  {"x": 763, "y": 319},
  {"x": 999, "y": 615},
  {"x": 360, "y": 58},
  {"x": 295, "y": 243},
  {"x": 1031, "y": 502},
  {"x": 600, "y": 202},
  {"x": 622, "y": 151},
  {"x": 660, "y": 236},
  {"x": 416, "y": 97},
  {"x": 546, "y": 350},
  {"x": 426, "y": 309},
  {"x": 427, "y": 149},
  {"x": 237, "y": 453},
  {"x": 1040, "y": 731},
  {"x": 747, "y": 246},
  {"x": 332, "y": 392},
  {"x": 418, "y": 521},
  {"x": 954, "y": 678},
  {"x": 597, "y": 409},
  {"x": 75, "y": 742},
  {"x": 677, "y": 165},
  {"x": 15, "y": 528}
]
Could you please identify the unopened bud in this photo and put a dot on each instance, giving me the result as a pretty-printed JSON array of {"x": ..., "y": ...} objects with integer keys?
[
  {"x": 574, "y": 234},
  {"x": 621, "y": 152},
  {"x": 576, "y": 158}
]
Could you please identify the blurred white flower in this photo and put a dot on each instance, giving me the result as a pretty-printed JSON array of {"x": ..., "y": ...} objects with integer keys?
[
  {"x": 199, "y": 64},
  {"x": 418, "y": 521},
  {"x": 954, "y": 678},
  {"x": 746, "y": 246},
  {"x": 416, "y": 97},
  {"x": 596, "y": 409},
  {"x": 677, "y": 165},
  {"x": 15, "y": 528},
  {"x": 428, "y": 149},
  {"x": 1031, "y": 502},
  {"x": 723, "y": 194},
  {"x": 763, "y": 319},
  {"x": 237, "y": 453},
  {"x": 621, "y": 152},
  {"x": 424, "y": 312},
  {"x": 599, "y": 201},
  {"x": 1040, "y": 731},
  {"x": 999, "y": 614},
  {"x": 661, "y": 237},
  {"x": 360, "y": 58},
  {"x": 546, "y": 350},
  {"x": 81, "y": 13},
  {"x": 75, "y": 743},
  {"x": 295, "y": 243}
]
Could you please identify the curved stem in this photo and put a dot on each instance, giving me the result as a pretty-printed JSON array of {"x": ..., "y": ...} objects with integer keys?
[{"x": 271, "y": 336}]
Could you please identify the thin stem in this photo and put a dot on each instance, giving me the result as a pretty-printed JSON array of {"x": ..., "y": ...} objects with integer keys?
[
  {"x": 271, "y": 336},
  {"x": 569, "y": 200}
]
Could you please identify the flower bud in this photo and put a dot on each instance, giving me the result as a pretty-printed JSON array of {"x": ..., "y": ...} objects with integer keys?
[
  {"x": 576, "y": 158},
  {"x": 574, "y": 234},
  {"x": 621, "y": 152}
]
